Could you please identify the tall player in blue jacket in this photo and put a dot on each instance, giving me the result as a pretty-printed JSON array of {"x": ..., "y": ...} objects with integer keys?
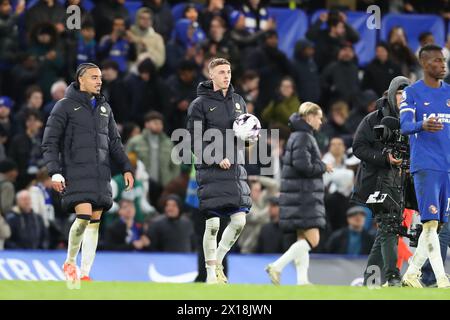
[{"x": 425, "y": 116}]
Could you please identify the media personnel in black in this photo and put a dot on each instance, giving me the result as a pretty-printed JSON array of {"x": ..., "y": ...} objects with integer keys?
[{"x": 379, "y": 171}]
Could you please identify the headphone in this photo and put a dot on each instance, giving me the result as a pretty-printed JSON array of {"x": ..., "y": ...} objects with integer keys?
[{"x": 81, "y": 69}]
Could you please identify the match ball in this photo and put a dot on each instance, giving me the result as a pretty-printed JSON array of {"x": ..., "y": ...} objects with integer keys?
[{"x": 247, "y": 127}]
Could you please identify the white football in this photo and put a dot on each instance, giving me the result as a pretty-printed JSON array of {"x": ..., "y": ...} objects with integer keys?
[{"x": 247, "y": 127}]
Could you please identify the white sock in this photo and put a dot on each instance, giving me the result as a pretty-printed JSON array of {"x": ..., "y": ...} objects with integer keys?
[
  {"x": 230, "y": 235},
  {"x": 302, "y": 263},
  {"x": 296, "y": 250},
  {"x": 75, "y": 236},
  {"x": 210, "y": 239},
  {"x": 89, "y": 247},
  {"x": 211, "y": 274},
  {"x": 421, "y": 254},
  {"x": 434, "y": 254}
]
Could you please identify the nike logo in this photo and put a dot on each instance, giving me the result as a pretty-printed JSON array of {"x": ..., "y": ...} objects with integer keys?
[
  {"x": 212, "y": 109},
  {"x": 426, "y": 103},
  {"x": 75, "y": 109},
  {"x": 155, "y": 276}
]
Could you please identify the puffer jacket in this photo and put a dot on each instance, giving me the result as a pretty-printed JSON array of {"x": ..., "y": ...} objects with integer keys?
[
  {"x": 218, "y": 188},
  {"x": 302, "y": 190},
  {"x": 78, "y": 143}
]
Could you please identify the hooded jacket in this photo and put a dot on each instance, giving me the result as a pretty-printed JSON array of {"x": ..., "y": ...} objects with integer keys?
[
  {"x": 78, "y": 142},
  {"x": 302, "y": 190},
  {"x": 217, "y": 188},
  {"x": 374, "y": 162}
]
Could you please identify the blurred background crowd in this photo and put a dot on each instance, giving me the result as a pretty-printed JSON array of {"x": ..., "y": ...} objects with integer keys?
[{"x": 153, "y": 54}]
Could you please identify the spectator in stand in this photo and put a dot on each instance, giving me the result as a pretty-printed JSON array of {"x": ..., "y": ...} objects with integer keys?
[
  {"x": 25, "y": 149},
  {"x": 34, "y": 101},
  {"x": 118, "y": 46},
  {"x": 425, "y": 38},
  {"x": 162, "y": 16},
  {"x": 48, "y": 11},
  {"x": 57, "y": 90},
  {"x": 129, "y": 130},
  {"x": 259, "y": 212},
  {"x": 214, "y": 8},
  {"x": 177, "y": 185},
  {"x": 147, "y": 92},
  {"x": 340, "y": 79},
  {"x": 271, "y": 238},
  {"x": 219, "y": 43},
  {"x": 5, "y": 231},
  {"x": 105, "y": 12},
  {"x": 335, "y": 126},
  {"x": 338, "y": 184},
  {"x": 9, "y": 40},
  {"x": 8, "y": 176},
  {"x": 328, "y": 41},
  {"x": 271, "y": 64},
  {"x": 41, "y": 200},
  {"x": 365, "y": 103},
  {"x": 183, "y": 88},
  {"x": 153, "y": 147},
  {"x": 125, "y": 234},
  {"x": 6, "y": 105},
  {"x": 353, "y": 239},
  {"x": 46, "y": 47},
  {"x": 115, "y": 91},
  {"x": 287, "y": 103},
  {"x": 248, "y": 88},
  {"x": 306, "y": 73},
  {"x": 27, "y": 227},
  {"x": 244, "y": 39},
  {"x": 173, "y": 232},
  {"x": 401, "y": 54},
  {"x": 23, "y": 75},
  {"x": 149, "y": 43},
  {"x": 190, "y": 12},
  {"x": 380, "y": 71},
  {"x": 185, "y": 38},
  {"x": 257, "y": 16},
  {"x": 4, "y": 139},
  {"x": 86, "y": 44}
]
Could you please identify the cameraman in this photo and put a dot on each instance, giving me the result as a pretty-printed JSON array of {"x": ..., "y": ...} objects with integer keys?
[{"x": 379, "y": 170}]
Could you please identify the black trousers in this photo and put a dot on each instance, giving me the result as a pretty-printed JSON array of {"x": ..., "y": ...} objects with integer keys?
[{"x": 383, "y": 255}]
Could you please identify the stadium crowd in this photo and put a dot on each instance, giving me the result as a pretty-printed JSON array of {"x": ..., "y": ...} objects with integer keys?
[{"x": 151, "y": 66}]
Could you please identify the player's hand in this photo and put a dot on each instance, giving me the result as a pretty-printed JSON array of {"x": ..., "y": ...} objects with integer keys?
[
  {"x": 329, "y": 167},
  {"x": 393, "y": 161},
  {"x": 129, "y": 180},
  {"x": 138, "y": 244},
  {"x": 225, "y": 164},
  {"x": 58, "y": 183},
  {"x": 432, "y": 124}
]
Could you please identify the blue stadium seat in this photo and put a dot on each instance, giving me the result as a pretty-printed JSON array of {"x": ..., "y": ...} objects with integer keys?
[
  {"x": 365, "y": 47},
  {"x": 414, "y": 25},
  {"x": 177, "y": 10},
  {"x": 133, "y": 7},
  {"x": 291, "y": 26}
]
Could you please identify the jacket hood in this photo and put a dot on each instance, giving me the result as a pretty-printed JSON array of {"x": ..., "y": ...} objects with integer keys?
[
  {"x": 398, "y": 83},
  {"x": 300, "y": 46},
  {"x": 205, "y": 88},
  {"x": 296, "y": 123},
  {"x": 73, "y": 92}
]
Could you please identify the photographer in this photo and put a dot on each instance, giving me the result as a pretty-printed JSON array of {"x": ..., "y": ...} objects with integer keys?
[{"x": 379, "y": 171}]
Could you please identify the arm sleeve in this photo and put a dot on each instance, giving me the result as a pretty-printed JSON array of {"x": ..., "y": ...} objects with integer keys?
[
  {"x": 196, "y": 118},
  {"x": 53, "y": 135},
  {"x": 408, "y": 123},
  {"x": 363, "y": 146},
  {"x": 116, "y": 148},
  {"x": 301, "y": 160}
]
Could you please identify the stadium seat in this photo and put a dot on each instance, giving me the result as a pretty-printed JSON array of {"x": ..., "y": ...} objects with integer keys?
[
  {"x": 291, "y": 26},
  {"x": 365, "y": 47},
  {"x": 414, "y": 25}
]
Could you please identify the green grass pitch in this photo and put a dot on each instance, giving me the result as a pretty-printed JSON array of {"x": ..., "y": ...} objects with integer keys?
[{"x": 196, "y": 291}]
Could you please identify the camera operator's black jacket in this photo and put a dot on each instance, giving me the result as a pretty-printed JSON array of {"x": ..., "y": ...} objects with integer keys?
[{"x": 374, "y": 163}]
